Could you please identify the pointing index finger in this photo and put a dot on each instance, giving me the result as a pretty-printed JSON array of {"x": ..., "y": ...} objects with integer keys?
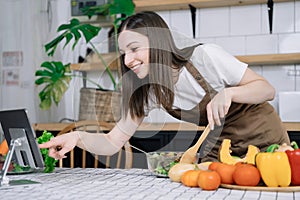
[{"x": 48, "y": 144}]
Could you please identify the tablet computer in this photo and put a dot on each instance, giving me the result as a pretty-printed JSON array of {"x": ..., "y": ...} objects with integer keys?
[{"x": 15, "y": 124}]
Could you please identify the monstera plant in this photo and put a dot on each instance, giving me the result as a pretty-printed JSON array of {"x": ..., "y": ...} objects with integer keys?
[{"x": 56, "y": 76}]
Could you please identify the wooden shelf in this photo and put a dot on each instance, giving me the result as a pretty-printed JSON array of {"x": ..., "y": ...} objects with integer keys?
[
  {"x": 85, "y": 67},
  {"x": 271, "y": 59},
  {"x": 94, "y": 64},
  {"x": 159, "y": 5}
]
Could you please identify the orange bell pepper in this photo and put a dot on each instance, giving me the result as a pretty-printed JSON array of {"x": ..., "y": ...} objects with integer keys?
[{"x": 3, "y": 148}]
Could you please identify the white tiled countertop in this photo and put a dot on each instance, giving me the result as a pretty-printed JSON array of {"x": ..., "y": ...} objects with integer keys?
[{"x": 103, "y": 184}]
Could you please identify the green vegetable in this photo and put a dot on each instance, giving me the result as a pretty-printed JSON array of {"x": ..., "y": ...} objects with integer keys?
[
  {"x": 164, "y": 170},
  {"x": 50, "y": 162},
  {"x": 18, "y": 168}
]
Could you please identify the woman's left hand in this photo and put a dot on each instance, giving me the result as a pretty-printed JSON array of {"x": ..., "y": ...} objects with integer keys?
[
  {"x": 218, "y": 108},
  {"x": 252, "y": 89}
]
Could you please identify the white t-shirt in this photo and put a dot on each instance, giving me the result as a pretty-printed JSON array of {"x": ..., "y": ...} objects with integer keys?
[{"x": 218, "y": 68}]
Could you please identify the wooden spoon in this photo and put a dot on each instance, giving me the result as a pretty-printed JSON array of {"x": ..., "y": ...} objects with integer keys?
[{"x": 190, "y": 154}]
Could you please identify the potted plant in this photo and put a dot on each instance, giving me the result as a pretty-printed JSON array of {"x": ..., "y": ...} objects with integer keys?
[{"x": 55, "y": 76}]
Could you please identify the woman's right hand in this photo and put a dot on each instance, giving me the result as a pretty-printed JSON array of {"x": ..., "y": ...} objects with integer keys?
[
  {"x": 218, "y": 108},
  {"x": 60, "y": 145}
]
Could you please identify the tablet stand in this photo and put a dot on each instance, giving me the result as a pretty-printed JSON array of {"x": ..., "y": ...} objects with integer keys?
[{"x": 18, "y": 145}]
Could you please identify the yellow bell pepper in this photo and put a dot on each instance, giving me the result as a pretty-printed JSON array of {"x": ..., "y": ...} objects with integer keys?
[{"x": 274, "y": 168}]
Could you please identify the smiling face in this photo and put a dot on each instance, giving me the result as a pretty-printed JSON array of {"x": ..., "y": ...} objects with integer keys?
[{"x": 135, "y": 48}]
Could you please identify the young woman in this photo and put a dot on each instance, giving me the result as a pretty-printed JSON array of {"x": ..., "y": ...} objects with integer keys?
[{"x": 201, "y": 84}]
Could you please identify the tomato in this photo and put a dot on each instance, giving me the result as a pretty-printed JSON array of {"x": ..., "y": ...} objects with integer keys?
[
  {"x": 209, "y": 180},
  {"x": 246, "y": 175},
  {"x": 213, "y": 166},
  {"x": 226, "y": 172}
]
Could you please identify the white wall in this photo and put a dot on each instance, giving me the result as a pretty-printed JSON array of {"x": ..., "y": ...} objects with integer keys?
[
  {"x": 18, "y": 31},
  {"x": 26, "y": 25}
]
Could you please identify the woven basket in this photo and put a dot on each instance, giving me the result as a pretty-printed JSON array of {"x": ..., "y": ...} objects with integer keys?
[{"x": 99, "y": 105}]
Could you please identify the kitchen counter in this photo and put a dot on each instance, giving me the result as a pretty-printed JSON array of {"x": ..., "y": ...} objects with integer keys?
[
  {"x": 290, "y": 126},
  {"x": 90, "y": 183}
]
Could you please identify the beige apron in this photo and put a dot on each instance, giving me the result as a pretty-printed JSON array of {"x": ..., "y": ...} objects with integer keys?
[{"x": 256, "y": 124}]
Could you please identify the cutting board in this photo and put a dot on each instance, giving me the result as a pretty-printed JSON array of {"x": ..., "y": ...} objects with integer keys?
[{"x": 263, "y": 188}]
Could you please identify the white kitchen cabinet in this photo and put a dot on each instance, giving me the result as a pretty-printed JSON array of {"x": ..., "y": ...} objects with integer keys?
[
  {"x": 282, "y": 78},
  {"x": 289, "y": 106}
]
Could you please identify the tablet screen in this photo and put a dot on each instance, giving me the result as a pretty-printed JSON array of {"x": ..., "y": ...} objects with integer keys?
[{"x": 15, "y": 124}]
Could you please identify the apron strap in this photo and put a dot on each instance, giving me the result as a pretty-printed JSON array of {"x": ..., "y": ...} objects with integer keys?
[{"x": 199, "y": 78}]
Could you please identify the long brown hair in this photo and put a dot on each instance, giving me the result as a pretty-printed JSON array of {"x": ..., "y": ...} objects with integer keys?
[{"x": 164, "y": 56}]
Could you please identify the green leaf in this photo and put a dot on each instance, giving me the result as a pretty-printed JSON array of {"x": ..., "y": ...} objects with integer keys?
[
  {"x": 72, "y": 31},
  {"x": 45, "y": 104},
  {"x": 43, "y": 73},
  {"x": 51, "y": 46},
  {"x": 42, "y": 80},
  {"x": 48, "y": 65},
  {"x": 96, "y": 10},
  {"x": 112, "y": 8},
  {"x": 125, "y": 7},
  {"x": 73, "y": 22},
  {"x": 87, "y": 33},
  {"x": 56, "y": 78}
]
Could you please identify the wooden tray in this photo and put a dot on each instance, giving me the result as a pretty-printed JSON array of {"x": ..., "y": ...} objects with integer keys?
[{"x": 263, "y": 188}]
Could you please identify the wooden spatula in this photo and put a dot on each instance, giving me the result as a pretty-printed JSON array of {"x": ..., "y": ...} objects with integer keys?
[{"x": 190, "y": 154}]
